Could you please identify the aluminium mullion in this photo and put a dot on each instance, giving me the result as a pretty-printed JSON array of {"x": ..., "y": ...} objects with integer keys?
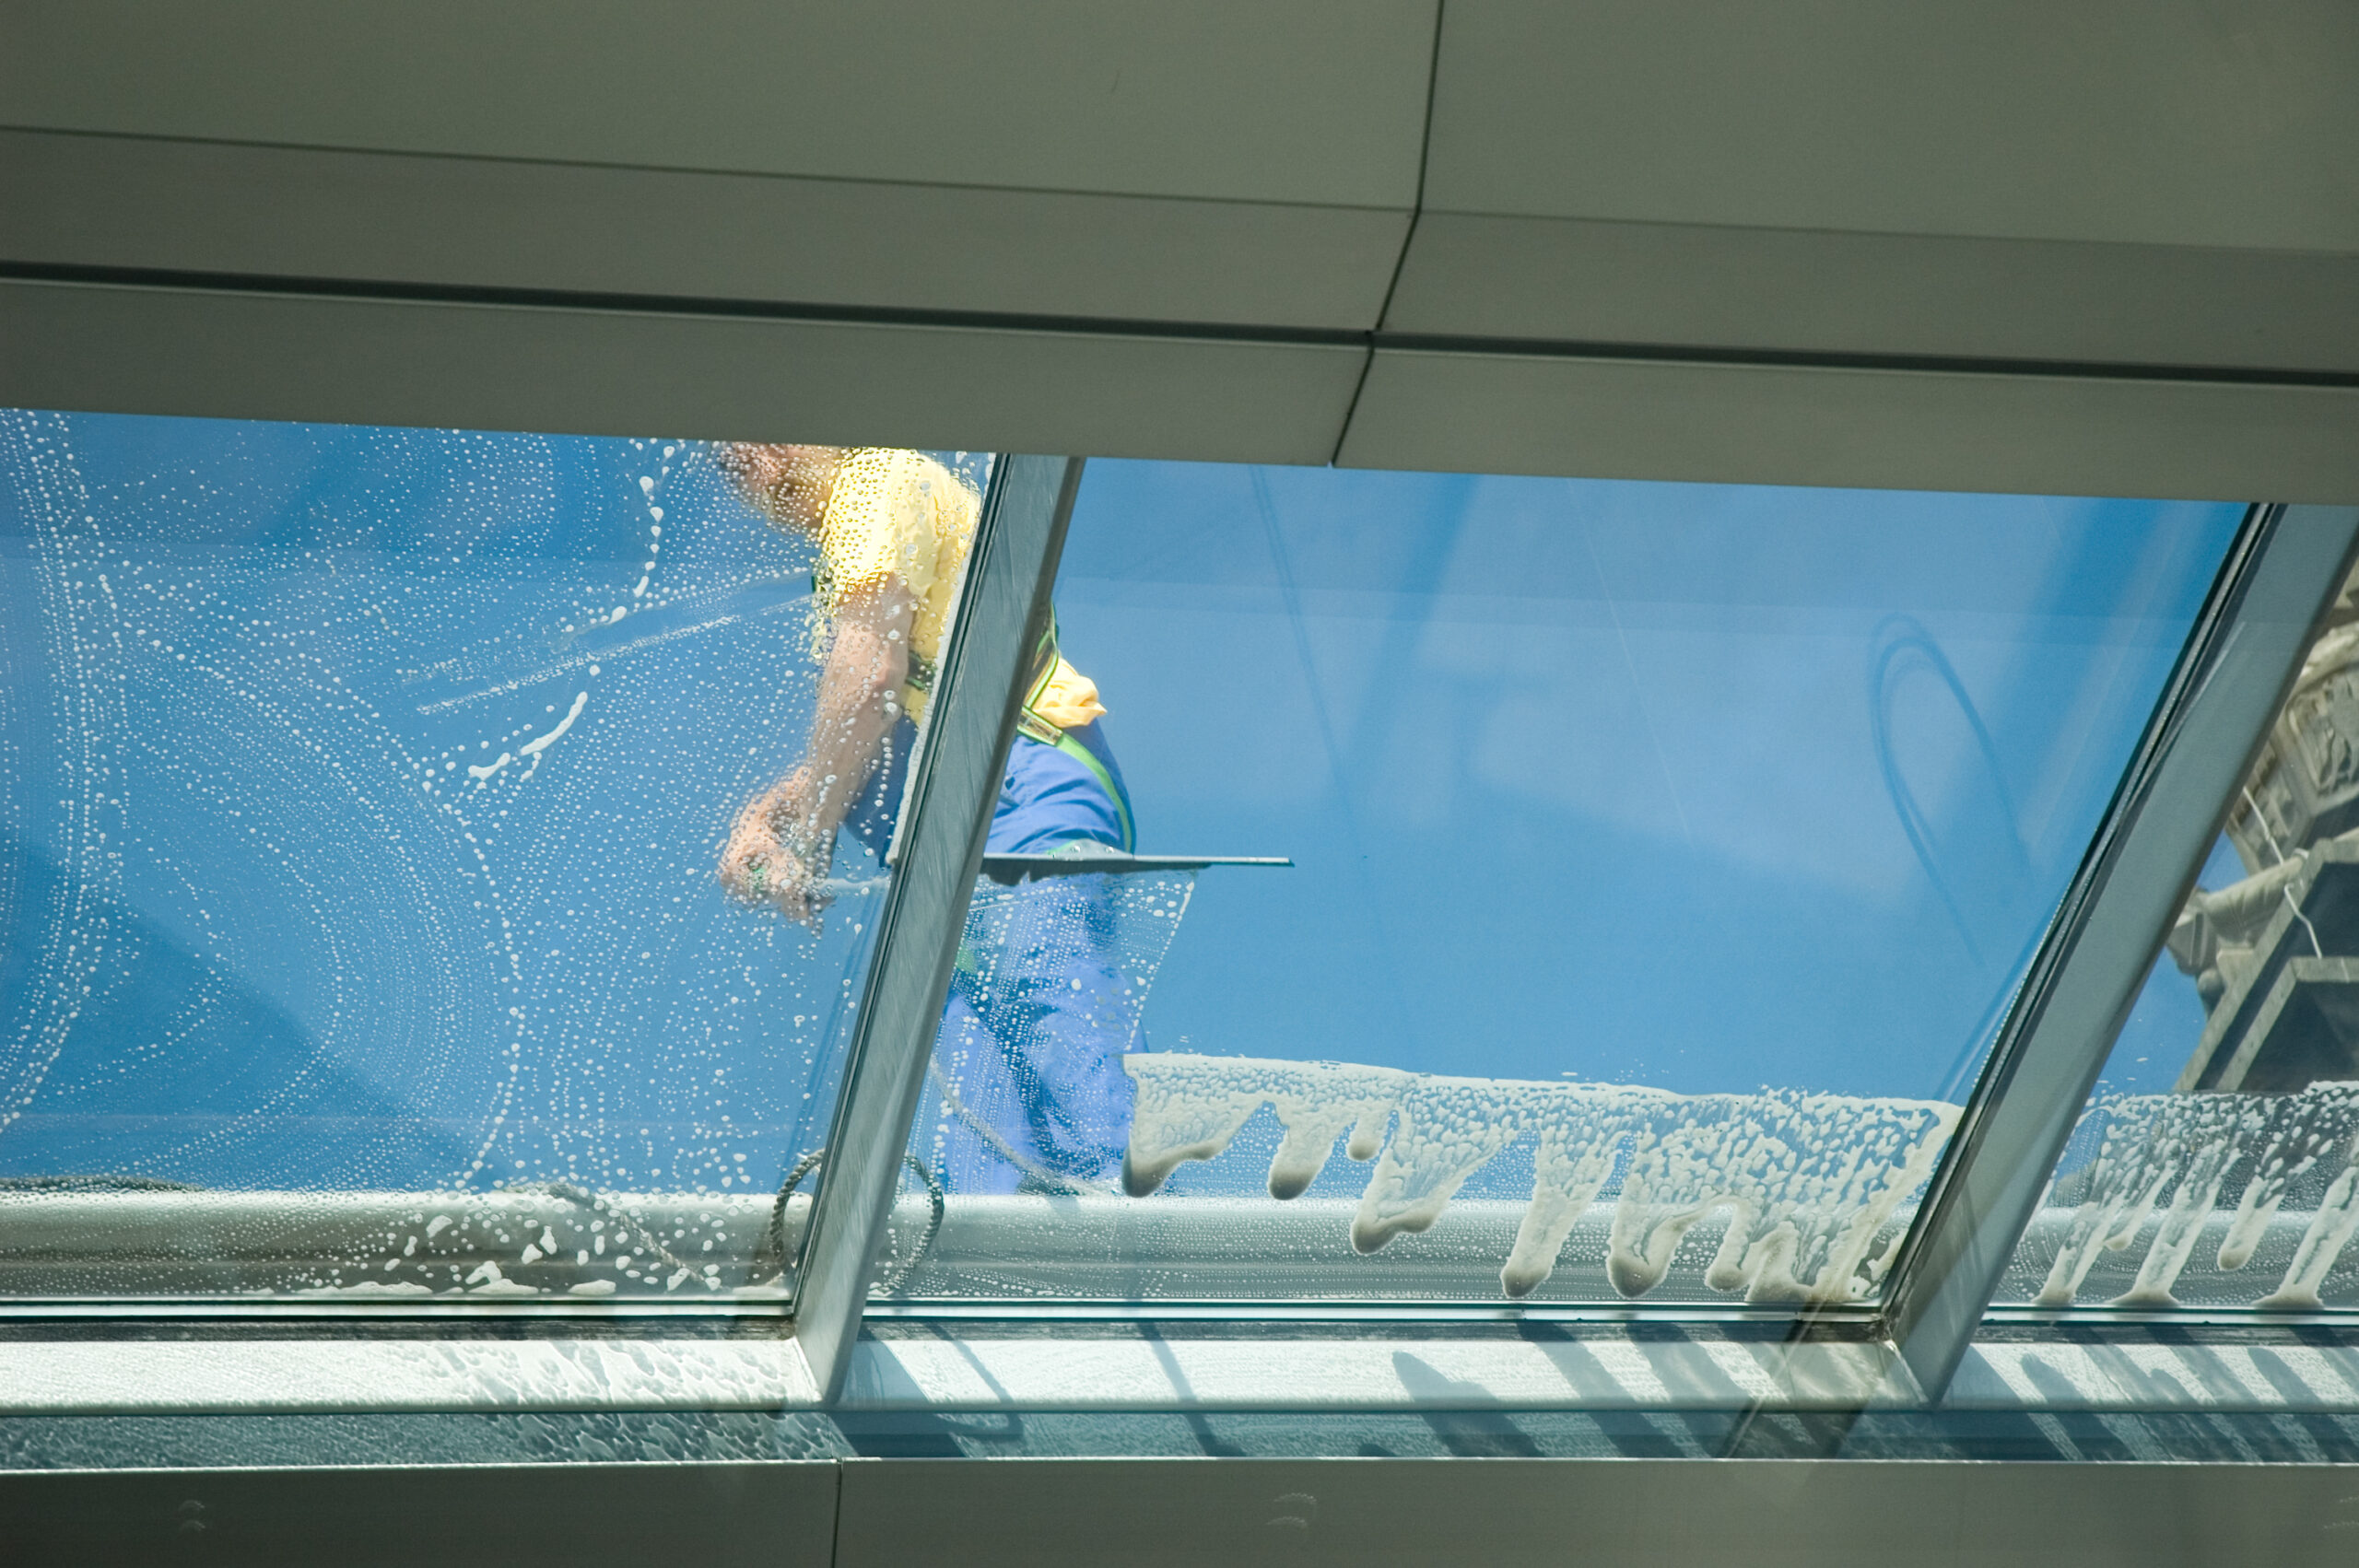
[
  {"x": 2286, "y": 566},
  {"x": 1003, "y": 610}
]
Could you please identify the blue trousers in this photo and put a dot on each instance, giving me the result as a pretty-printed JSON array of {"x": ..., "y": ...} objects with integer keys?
[{"x": 1039, "y": 1013}]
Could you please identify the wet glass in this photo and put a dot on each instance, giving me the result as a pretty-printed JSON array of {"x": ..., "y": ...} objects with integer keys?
[
  {"x": 362, "y": 793},
  {"x": 2212, "y": 1167},
  {"x": 1664, "y": 858}
]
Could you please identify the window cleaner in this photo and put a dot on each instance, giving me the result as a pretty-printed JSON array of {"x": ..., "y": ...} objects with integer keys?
[{"x": 1039, "y": 1016}]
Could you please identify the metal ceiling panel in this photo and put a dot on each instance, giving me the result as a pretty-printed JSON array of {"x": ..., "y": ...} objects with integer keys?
[
  {"x": 386, "y": 361},
  {"x": 2152, "y": 185},
  {"x": 73, "y": 201},
  {"x": 2155, "y": 123},
  {"x": 2058, "y": 302},
  {"x": 1233, "y": 164},
  {"x": 1898, "y": 428},
  {"x": 1312, "y": 102}
]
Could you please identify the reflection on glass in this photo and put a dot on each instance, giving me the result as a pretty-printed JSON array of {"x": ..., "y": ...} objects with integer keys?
[
  {"x": 2214, "y": 1166},
  {"x": 360, "y": 930},
  {"x": 1664, "y": 859}
]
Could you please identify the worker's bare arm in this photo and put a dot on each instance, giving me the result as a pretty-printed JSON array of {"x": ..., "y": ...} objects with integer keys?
[
  {"x": 782, "y": 841},
  {"x": 859, "y": 695}
]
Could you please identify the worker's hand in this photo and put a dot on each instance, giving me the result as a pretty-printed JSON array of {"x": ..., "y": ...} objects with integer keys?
[{"x": 774, "y": 855}]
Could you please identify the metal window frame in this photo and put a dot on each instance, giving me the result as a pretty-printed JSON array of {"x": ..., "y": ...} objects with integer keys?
[
  {"x": 1003, "y": 610},
  {"x": 2246, "y": 648},
  {"x": 2285, "y": 567}
]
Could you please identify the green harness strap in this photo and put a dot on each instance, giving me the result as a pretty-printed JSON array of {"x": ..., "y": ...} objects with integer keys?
[
  {"x": 1044, "y": 670},
  {"x": 1088, "y": 759},
  {"x": 1030, "y": 724}
]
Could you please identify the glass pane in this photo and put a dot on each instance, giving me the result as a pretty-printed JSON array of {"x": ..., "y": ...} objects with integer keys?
[
  {"x": 2213, "y": 1166},
  {"x": 359, "y": 928},
  {"x": 1664, "y": 859}
]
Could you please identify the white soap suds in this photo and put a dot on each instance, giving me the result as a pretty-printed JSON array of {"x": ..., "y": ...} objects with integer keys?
[
  {"x": 540, "y": 743},
  {"x": 232, "y": 738},
  {"x": 1809, "y": 1179},
  {"x": 2179, "y": 1154}
]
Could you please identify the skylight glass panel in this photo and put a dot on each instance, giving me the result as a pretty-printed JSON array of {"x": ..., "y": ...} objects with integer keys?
[
  {"x": 364, "y": 796},
  {"x": 2213, "y": 1166},
  {"x": 1658, "y": 863}
]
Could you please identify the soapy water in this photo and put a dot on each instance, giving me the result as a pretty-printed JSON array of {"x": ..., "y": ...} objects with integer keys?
[
  {"x": 2260, "y": 1187},
  {"x": 1807, "y": 1181},
  {"x": 1055, "y": 969},
  {"x": 359, "y": 797}
]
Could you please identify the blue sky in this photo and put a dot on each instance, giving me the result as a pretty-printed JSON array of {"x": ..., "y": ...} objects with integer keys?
[{"x": 1617, "y": 780}]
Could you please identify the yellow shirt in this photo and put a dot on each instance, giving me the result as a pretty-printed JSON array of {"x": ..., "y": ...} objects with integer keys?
[{"x": 900, "y": 514}]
